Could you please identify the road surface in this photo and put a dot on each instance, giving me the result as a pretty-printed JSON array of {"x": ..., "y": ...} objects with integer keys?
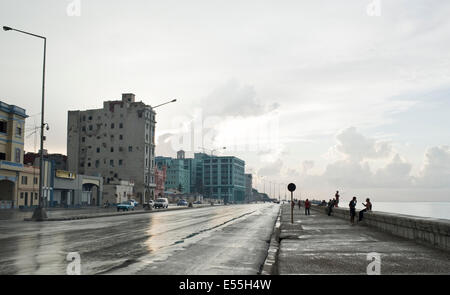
[{"x": 213, "y": 240}]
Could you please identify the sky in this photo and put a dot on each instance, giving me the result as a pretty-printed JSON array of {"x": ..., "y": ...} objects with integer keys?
[{"x": 331, "y": 95}]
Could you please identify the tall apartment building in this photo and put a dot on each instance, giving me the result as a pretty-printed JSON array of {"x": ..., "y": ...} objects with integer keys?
[{"x": 116, "y": 142}]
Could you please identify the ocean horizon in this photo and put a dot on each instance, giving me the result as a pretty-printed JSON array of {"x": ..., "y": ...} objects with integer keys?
[{"x": 439, "y": 210}]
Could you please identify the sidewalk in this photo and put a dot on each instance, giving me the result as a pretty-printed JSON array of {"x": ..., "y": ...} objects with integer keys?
[{"x": 320, "y": 244}]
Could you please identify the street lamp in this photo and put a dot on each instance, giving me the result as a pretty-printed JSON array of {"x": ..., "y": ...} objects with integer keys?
[
  {"x": 173, "y": 100},
  {"x": 150, "y": 172},
  {"x": 39, "y": 213}
]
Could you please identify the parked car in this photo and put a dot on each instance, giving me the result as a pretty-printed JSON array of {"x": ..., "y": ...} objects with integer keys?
[
  {"x": 197, "y": 202},
  {"x": 149, "y": 204},
  {"x": 125, "y": 206},
  {"x": 182, "y": 203},
  {"x": 133, "y": 201},
  {"x": 161, "y": 203}
]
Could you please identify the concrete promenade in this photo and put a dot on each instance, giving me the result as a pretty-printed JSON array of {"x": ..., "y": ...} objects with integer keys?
[{"x": 321, "y": 244}]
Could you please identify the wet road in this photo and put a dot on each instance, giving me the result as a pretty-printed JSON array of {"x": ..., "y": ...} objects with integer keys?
[{"x": 212, "y": 240}]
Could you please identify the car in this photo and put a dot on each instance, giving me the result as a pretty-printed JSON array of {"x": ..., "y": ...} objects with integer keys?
[
  {"x": 182, "y": 203},
  {"x": 125, "y": 206},
  {"x": 149, "y": 204},
  {"x": 161, "y": 203},
  {"x": 133, "y": 201},
  {"x": 197, "y": 202}
]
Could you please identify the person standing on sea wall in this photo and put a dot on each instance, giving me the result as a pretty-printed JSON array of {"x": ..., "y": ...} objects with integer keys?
[
  {"x": 352, "y": 206},
  {"x": 336, "y": 196}
]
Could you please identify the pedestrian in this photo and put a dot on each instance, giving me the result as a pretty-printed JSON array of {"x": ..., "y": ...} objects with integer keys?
[
  {"x": 337, "y": 198},
  {"x": 307, "y": 206},
  {"x": 299, "y": 204},
  {"x": 330, "y": 207},
  {"x": 352, "y": 206},
  {"x": 368, "y": 208}
]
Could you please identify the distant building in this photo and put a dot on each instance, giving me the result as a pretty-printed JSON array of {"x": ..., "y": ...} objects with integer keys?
[
  {"x": 177, "y": 174},
  {"x": 118, "y": 192},
  {"x": 116, "y": 142},
  {"x": 160, "y": 180},
  {"x": 248, "y": 187},
  {"x": 223, "y": 178},
  {"x": 59, "y": 160}
]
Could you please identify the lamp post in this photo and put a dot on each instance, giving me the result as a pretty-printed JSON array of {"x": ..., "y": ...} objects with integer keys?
[
  {"x": 173, "y": 100},
  {"x": 39, "y": 213},
  {"x": 150, "y": 172}
]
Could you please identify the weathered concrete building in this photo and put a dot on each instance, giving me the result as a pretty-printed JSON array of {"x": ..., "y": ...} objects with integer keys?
[
  {"x": 116, "y": 142},
  {"x": 118, "y": 192}
]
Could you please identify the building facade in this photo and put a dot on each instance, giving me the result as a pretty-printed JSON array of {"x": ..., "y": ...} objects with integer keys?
[
  {"x": 118, "y": 192},
  {"x": 70, "y": 189},
  {"x": 12, "y": 126},
  {"x": 160, "y": 179},
  {"x": 177, "y": 174},
  {"x": 224, "y": 178},
  {"x": 116, "y": 142},
  {"x": 248, "y": 187}
]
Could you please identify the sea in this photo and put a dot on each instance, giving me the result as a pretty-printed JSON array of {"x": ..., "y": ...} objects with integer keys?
[{"x": 423, "y": 209}]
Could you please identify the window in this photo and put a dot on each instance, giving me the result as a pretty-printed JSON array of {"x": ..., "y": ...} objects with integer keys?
[
  {"x": 19, "y": 131},
  {"x": 24, "y": 180},
  {"x": 17, "y": 156},
  {"x": 83, "y": 128},
  {"x": 120, "y": 136},
  {"x": 89, "y": 164},
  {"x": 3, "y": 126},
  {"x": 112, "y": 150},
  {"x": 21, "y": 195},
  {"x": 121, "y": 125},
  {"x": 83, "y": 139},
  {"x": 2, "y": 156},
  {"x": 90, "y": 127},
  {"x": 130, "y": 148},
  {"x": 90, "y": 118},
  {"x": 35, "y": 180},
  {"x": 97, "y": 163},
  {"x": 111, "y": 163},
  {"x": 98, "y": 150},
  {"x": 112, "y": 125},
  {"x": 120, "y": 162}
]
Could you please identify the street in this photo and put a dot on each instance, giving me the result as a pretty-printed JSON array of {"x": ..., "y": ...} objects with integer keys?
[{"x": 212, "y": 240}]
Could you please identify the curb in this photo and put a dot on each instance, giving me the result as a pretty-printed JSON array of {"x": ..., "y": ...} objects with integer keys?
[
  {"x": 114, "y": 214},
  {"x": 270, "y": 266}
]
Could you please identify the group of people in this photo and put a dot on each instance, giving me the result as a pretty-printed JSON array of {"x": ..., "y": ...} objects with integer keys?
[
  {"x": 334, "y": 203},
  {"x": 352, "y": 205}
]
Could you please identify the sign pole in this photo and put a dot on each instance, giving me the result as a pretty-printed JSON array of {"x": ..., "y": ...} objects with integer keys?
[{"x": 291, "y": 187}]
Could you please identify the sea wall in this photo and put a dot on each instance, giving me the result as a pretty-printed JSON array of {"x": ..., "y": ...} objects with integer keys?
[{"x": 430, "y": 231}]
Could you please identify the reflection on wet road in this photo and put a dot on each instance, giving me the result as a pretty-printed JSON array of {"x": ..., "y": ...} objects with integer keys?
[{"x": 213, "y": 240}]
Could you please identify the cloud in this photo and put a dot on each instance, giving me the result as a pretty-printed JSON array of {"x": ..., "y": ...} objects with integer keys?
[
  {"x": 395, "y": 174},
  {"x": 307, "y": 165},
  {"x": 234, "y": 99},
  {"x": 357, "y": 147},
  {"x": 436, "y": 168},
  {"x": 272, "y": 169}
]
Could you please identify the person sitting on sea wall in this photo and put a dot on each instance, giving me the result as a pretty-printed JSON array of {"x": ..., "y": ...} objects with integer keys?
[
  {"x": 330, "y": 207},
  {"x": 368, "y": 208}
]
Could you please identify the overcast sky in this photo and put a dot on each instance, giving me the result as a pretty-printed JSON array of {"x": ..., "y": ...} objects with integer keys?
[{"x": 351, "y": 95}]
